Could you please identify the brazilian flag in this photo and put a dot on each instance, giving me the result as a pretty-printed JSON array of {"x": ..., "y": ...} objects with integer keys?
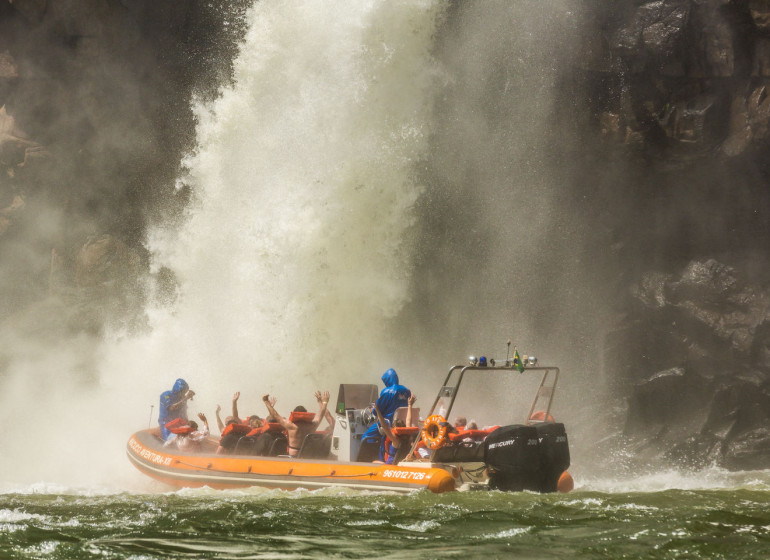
[{"x": 517, "y": 361}]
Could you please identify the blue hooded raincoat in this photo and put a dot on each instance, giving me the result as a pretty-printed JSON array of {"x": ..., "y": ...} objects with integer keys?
[
  {"x": 392, "y": 397},
  {"x": 169, "y": 398}
]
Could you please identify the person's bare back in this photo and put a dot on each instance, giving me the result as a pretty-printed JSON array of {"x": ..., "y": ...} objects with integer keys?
[{"x": 296, "y": 432}]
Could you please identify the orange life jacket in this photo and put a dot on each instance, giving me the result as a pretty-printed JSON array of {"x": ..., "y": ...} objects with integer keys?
[
  {"x": 301, "y": 417},
  {"x": 405, "y": 431},
  {"x": 269, "y": 427},
  {"x": 179, "y": 426},
  {"x": 236, "y": 428}
]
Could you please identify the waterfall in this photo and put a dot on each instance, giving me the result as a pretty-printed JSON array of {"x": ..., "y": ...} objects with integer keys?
[{"x": 371, "y": 185}]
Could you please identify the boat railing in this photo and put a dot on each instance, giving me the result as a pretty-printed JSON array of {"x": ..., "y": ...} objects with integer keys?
[{"x": 449, "y": 389}]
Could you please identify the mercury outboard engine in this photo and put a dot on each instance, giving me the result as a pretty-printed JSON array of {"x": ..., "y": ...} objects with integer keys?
[
  {"x": 526, "y": 457},
  {"x": 554, "y": 454}
]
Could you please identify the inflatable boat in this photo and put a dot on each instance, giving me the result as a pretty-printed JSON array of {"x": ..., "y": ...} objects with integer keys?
[{"x": 531, "y": 455}]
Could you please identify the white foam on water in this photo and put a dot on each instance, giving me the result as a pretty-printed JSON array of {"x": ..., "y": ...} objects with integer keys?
[{"x": 711, "y": 478}]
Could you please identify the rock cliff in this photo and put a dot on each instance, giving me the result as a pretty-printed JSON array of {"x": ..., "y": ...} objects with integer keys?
[
  {"x": 674, "y": 102},
  {"x": 94, "y": 117}
]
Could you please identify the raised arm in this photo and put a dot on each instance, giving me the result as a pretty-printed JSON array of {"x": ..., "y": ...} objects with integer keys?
[
  {"x": 236, "y": 396},
  {"x": 323, "y": 401},
  {"x": 409, "y": 404},
  {"x": 187, "y": 397},
  {"x": 385, "y": 427},
  {"x": 330, "y": 419},
  {"x": 270, "y": 403},
  {"x": 205, "y": 421},
  {"x": 220, "y": 424}
]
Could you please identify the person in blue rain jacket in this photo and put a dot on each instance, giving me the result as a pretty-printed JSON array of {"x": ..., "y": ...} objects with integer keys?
[
  {"x": 173, "y": 405},
  {"x": 392, "y": 397}
]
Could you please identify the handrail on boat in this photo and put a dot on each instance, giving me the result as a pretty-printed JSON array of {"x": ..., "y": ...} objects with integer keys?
[{"x": 544, "y": 391}]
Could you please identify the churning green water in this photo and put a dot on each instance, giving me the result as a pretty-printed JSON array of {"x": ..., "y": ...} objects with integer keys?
[{"x": 587, "y": 523}]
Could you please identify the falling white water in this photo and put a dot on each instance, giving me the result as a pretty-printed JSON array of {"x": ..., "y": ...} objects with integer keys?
[
  {"x": 296, "y": 252},
  {"x": 297, "y": 249}
]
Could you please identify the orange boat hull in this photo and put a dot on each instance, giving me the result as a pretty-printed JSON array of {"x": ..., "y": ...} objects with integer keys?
[{"x": 237, "y": 471}]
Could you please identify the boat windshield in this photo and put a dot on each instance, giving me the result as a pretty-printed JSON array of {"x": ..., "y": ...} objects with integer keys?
[
  {"x": 355, "y": 396},
  {"x": 496, "y": 395}
]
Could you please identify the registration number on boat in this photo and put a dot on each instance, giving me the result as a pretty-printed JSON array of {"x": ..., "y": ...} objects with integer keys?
[{"x": 407, "y": 475}]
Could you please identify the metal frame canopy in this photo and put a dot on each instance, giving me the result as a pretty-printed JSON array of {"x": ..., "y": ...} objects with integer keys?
[
  {"x": 449, "y": 390},
  {"x": 545, "y": 391}
]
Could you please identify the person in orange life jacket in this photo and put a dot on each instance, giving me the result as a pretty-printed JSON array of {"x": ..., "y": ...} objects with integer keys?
[
  {"x": 230, "y": 438},
  {"x": 392, "y": 397},
  {"x": 394, "y": 442},
  {"x": 192, "y": 441},
  {"x": 254, "y": 421},
  {"x": 296, "y": 432},
  {"x": 173, "y": 405}
]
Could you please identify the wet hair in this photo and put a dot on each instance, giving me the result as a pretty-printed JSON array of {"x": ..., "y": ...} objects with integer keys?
[
  {"x": 399, "y": 424},
  {"x": 193, "y": 424},
  {"x": 460, "y": 421},
  {"x": 230, "y": 420},
  {"x": 473, "y": 426},
  {"x": 300, "y": 408},
  {"x": 254, "y": 417}
]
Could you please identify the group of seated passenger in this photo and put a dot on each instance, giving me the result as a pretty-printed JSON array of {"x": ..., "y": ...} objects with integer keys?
[{"x": 290, "y": 431}]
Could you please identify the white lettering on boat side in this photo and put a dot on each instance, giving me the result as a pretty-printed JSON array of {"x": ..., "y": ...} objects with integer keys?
[
  {"x": 145, "y": 453},
  {"x": 406, "y": 475}
]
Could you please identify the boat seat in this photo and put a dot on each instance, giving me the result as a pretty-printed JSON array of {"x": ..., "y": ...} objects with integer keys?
[
  {"x": 403, "y": 448},
  {"x": 368, "y": 452},
  {"x": 315, "y": 446},
  {"x": 279, "y": 446},
  {"x": 270, "y": 444},
  {"x": 246, "y": 446}
]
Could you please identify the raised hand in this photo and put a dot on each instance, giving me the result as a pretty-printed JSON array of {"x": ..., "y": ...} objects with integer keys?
[
  {"x": 236, "y": 396},
  {"x": 318, "y": 396},
  {"x": 202, "y": 416},
  {"x": 219, "y": 409},
  {"x": 412, "y": 399},
  {"x": 273, "y": 400}
]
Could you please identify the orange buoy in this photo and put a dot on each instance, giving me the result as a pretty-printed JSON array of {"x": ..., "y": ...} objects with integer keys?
[
  {"x": 540, "y": 416},
  {"x": 566, "y": 483},
  {"x": 434, "y": 431}
]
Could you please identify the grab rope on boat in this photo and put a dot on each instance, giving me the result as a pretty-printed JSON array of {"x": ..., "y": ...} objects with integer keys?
[{"x": 290, "y": 473}]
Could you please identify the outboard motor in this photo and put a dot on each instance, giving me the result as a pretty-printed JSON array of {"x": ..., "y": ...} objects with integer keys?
[
  {"x": 526, "y": 457},
  {"x": 554, "y": 454},
  {"x": 512, "y": 455}
]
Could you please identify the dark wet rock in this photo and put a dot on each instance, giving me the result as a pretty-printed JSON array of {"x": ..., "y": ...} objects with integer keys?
[
  {"x": 8, "y": 67},
  {"x": 684, "y": 71},
  {"x": 654, "y": 28},
  {"x": 692, "y": 359},
  {"x": 95, "y": 117},
  {"x": 760, "y": 14},
  {"x": 106, "y": 260},
  {"x": 31, "y": 10},
  {"x": 749, "y": 451}
]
